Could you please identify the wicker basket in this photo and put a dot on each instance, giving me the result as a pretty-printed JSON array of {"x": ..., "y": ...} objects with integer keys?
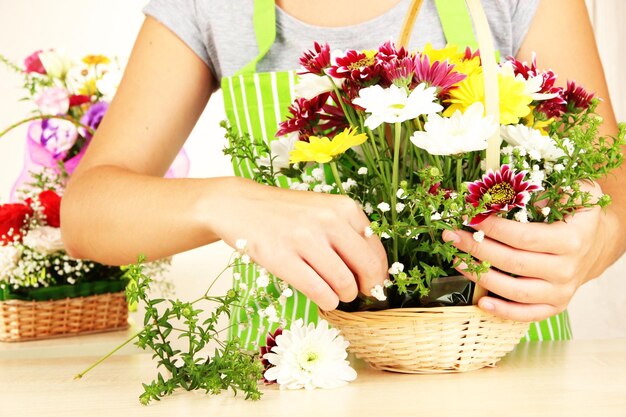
[
  {"x": 31, "y": 320},
  {"x": 427, "y": 340}
]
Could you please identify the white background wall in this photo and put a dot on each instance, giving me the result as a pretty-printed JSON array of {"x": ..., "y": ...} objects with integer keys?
[{"x": 109, "y": 27}]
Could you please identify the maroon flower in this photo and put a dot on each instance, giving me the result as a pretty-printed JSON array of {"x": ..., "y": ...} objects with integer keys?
[
  {"x": 501, "y": 191},
  {"x": 32, "y": 63},
  {"x": 578, "y": 99},
  {"x": 553, "y": 107},
  {"x": 438, "y": 74},
  {"x": 400, "y": 72},
  {"x": 360, "y": 67},
  {"x": 13, "y": 218},
  {"x": 304, "y": 116},
  {"x": 316, "y": 60},
  {"x": 469, "y": 54},
  {"x": 270, "y": 342},
  {"x": 388, "y": 52}
]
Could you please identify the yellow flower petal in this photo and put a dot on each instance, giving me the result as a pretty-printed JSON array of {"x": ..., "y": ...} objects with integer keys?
[
  {"x": 96, "y": 59},
  {"x": 322, "y": 149}
]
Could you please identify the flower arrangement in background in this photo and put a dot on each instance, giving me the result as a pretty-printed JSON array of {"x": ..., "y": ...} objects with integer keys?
[
  {"x": 70, "y": 99},
  {"x": 404, "y": 133}
]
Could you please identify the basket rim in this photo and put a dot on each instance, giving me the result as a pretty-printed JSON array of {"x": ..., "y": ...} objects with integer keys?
[{"x": 17, "y": 302}]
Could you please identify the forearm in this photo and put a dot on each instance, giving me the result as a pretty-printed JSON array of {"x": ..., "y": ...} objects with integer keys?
[{"x": 112, "y": 215}]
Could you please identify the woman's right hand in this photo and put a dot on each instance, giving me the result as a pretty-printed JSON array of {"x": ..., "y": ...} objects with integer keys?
[{"x": 313, "y": 241}]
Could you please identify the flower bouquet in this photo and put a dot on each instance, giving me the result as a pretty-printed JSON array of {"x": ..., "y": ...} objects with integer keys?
[
  {"x": 428, "y": 141},
  {"x": 43, "y": 291}
]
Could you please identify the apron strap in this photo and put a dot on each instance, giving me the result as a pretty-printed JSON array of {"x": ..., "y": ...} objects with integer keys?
[
  {"x": 457, "y": 23},
  {"x": 265, "y": 30}
]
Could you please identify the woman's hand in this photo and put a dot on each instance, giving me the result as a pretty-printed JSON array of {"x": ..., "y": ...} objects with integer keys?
[
  {"x": 313, "y": 241},
  {"x": 550, "y": 260}
]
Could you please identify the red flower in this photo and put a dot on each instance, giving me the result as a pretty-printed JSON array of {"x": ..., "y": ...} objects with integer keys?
[
  {"x": 400, "y": 72},
  {"x": 51, "y": 204},
  {"x": 317, "y": 60},
  {"x": 32, "y": 63},
  {"x": 77, "y": 100},
  {"x": 501, "y": 191},
  {"x": 577, "y": 98},
  {"x": 270, "y": 342},
  {"x": 13, "y": 218},
  {"x": 438, "y": 74},
  {"x": 305, "y": 116},
  {"x": 361, "y": 67}
]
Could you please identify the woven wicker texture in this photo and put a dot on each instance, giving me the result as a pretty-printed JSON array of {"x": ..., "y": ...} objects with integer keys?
[
  {"x": 427, "y": 340},
  {"x": 30, "y": 320}
]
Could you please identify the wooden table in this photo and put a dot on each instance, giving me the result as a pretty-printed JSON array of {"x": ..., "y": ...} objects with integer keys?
[{"x": 578, "y": 378}]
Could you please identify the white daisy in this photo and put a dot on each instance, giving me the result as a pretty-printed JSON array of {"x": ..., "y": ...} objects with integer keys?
[
  {"x": 463, "y": 132},
  {"x": 533, "y": 141},
  {"x": 309, "y": 357},
  {"x": 393, "y": 104}
]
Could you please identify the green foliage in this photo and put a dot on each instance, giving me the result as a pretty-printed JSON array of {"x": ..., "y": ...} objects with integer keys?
[{"x": 192, "y": 368}]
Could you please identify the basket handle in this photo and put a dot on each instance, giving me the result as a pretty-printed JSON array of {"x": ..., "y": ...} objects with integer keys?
[{"x": 490, "y": 74}]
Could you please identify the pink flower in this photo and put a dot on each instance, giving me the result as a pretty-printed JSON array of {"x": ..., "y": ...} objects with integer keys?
[
  {"x": 501, "y": 191},
  {"x": 54, "y": 101},
  {"x": 360, "y": 67},
  {"x": 438, "y": 74},
  {"x": 577, "y": 98},
  {"x": 317, "y": 60},
  {"x": 388, "y": 52},
  {"x": 32, "y": 63}
]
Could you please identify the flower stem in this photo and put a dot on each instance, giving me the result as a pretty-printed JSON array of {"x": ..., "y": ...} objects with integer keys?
[
  {"x": 333, "y": 167},
  {"x": 394, "y": 183},
  {"x": 42, "y": 117},
  {"x": 105, "y": 357}
]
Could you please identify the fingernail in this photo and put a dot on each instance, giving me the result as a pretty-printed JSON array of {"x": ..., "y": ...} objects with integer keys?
[
  {"x": 487, "y": 305},
  {"x": 449, "y": 236}
]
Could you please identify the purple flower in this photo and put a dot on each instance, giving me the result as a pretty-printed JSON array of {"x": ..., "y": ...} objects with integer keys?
[
  {"x": 57, "y": 136},
  {"x": 93, "y": 117}
]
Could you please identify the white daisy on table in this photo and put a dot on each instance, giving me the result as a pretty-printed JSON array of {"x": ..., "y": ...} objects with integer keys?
[{"x": 309, "y": 357}]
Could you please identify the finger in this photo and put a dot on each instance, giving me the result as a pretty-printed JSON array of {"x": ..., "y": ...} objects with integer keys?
[
  {"x": 300, "y": 275},
  {"x": 332, "y": 269},
  {"x": 522, "y": 289},
  {"x": 533, "y": 237},
  {"x": 510, "y": 310},
  {"x": 366, "y": 259},
  {"x": 504, "y": 257}
]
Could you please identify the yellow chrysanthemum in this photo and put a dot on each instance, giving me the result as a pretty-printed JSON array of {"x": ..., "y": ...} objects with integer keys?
[
  {"x": 469, "y": 66},
  {"x": 322, "y": 149},
  {"x": 88, "y": 88},
  {"x": 96, "y": 59},
  {"x": 451, "y": 52},
  {"x": 514, "y": 102}
]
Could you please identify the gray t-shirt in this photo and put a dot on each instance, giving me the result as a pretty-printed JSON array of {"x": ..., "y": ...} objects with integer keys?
[{"x": 221, "y": 32}]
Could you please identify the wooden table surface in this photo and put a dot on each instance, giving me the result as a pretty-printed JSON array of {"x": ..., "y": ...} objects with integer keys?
[{"x": 577, "y": 378}]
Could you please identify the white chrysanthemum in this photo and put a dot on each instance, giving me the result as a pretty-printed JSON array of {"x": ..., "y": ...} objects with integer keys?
[
  {"x": 309, "y": 357},
  {"x": 280, "y": 148},
  {"x": 310, "y": 85},
  {"x": 463, "y": 132},
  {"x": 44, "y": 239},
  {"x": 56, "y": 64},
  {"x": 393, "y": 104},
  {"x": 532, "y": 141}
]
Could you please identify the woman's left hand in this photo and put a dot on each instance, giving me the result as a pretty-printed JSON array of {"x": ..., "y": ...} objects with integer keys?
[{"x": 550, "y": 260}]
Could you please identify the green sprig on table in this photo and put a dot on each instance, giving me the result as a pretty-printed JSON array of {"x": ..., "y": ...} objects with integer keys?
[{"x": 192, "y": 368}]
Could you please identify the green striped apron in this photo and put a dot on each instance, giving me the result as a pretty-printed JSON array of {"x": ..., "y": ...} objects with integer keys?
[{"x": 255, "y": 104}]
